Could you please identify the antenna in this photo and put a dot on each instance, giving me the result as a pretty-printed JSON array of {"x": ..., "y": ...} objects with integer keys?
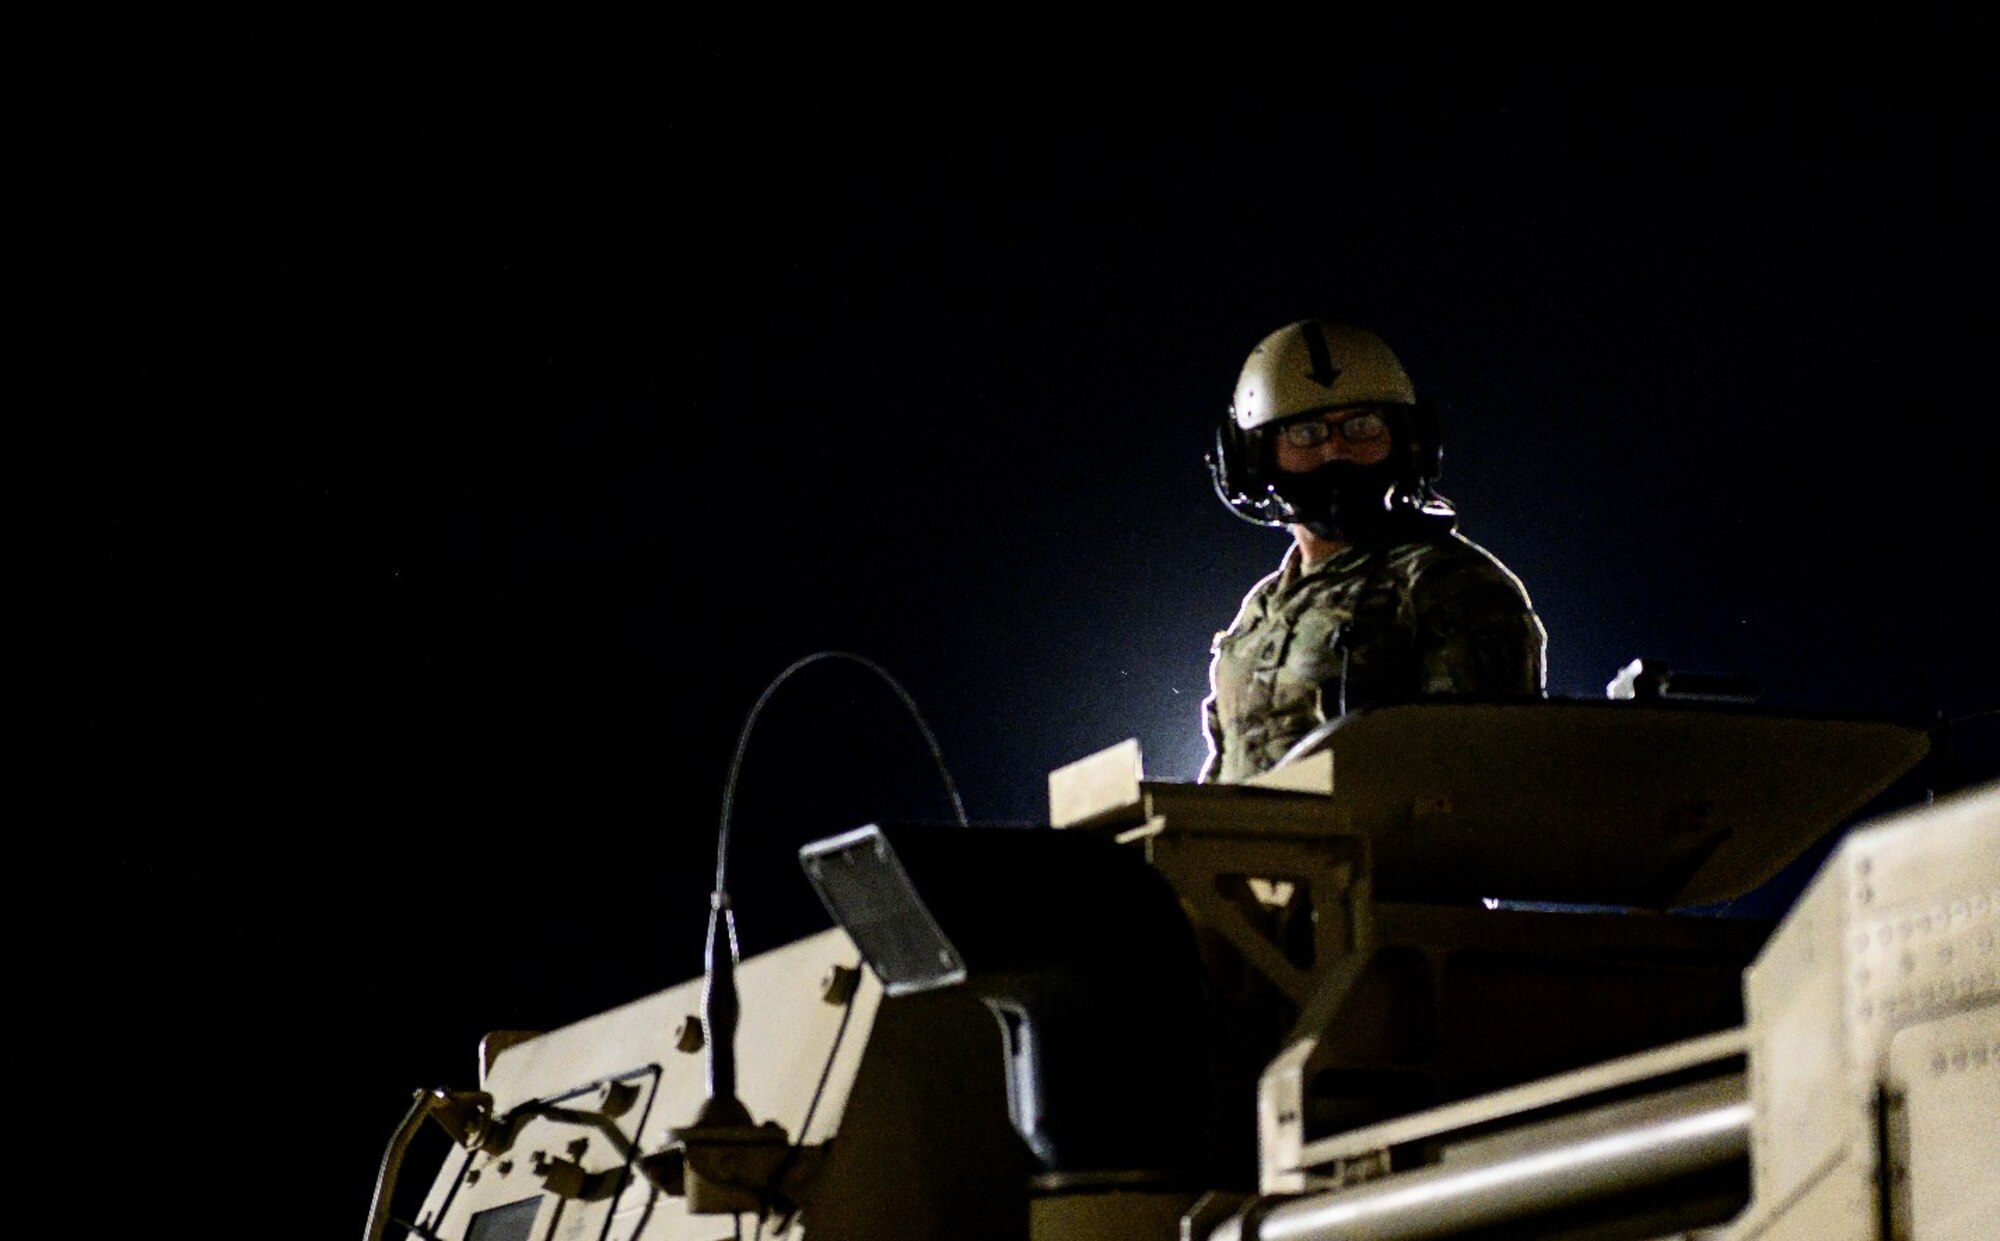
[{"x": 724, "y": 1122}]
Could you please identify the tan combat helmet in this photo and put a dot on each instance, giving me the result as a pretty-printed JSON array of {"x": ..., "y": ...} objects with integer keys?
[{"x": 1303, "y": 369}]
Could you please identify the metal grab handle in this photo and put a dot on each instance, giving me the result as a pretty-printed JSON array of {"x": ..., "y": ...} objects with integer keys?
[{"x": 426, "y": 1103}]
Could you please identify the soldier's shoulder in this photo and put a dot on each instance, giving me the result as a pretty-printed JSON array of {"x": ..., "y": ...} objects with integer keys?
[
  {"x": 1451, "y": 564},
  {"x": 1256, "y": 603}
]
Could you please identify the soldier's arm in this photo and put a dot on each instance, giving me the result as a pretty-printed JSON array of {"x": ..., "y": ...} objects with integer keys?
[
  {"x": 1476, "y": 632},
  {"x": 1211, "y": 731},
  {"x": 1211, "y": 714}
]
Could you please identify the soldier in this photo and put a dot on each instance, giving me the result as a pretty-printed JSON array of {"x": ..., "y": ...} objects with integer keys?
[{"x": 1379, "y": 599}]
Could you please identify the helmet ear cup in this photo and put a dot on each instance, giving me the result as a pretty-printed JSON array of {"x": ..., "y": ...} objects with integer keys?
[
  {"x": 1225, "y": 467},
  {"x": 1241, "y": 475}
]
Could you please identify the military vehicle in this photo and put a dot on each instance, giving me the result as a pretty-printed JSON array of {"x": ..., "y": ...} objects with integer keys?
[{"x": 1453, "y": 969}]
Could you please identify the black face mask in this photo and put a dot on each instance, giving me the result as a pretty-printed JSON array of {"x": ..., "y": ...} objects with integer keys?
[{"x": 1341, "y": 500}]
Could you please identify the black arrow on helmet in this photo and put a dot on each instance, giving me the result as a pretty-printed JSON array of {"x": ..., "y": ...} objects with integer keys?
[{"x": 1323, "y": 371}]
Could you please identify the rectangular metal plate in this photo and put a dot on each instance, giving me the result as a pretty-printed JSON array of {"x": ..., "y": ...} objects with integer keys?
[{"x": 513, "y": 1222}]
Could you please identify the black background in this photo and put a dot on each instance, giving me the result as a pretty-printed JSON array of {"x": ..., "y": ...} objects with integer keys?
[{"x": 456, "y": 464}]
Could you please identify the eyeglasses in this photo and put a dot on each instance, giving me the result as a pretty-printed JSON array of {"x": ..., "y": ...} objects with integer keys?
[{"x": 1358, "y": 427}]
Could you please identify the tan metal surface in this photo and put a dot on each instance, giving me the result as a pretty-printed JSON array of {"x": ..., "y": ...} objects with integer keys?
[
  {"x": 1245, "y": 809},
  {"x": 1312, "y": 881},
  {"x": 1886, "y": 969},
  {"x": 1566, "y": 1090},
  {"x": 785, "y": 1044},
  {"x": 1249, "y": 859},
  {"x": 1311, "y": 773},
  {"x": 925, "y": 1150},
  {"x": 1100, "y": 790},
  {"x": 1897, "y": 931},
  {"x": 497, "y": 1041},
  {"x": 1603, "y": 802},
  {"x": 1944, "y": 1130},
  {"x": 1574, "y": 1160},
  {"x": 1453, "y": 1003}
]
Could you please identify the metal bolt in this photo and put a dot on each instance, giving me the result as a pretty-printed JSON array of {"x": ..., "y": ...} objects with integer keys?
[
  {"x": 837, "y": 987},
  {"x": 689, "y": 1036},
  {"x": 618, "y": 1098}
]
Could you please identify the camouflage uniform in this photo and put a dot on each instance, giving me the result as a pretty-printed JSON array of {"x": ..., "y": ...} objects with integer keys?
[{"x": 1435, "y": 614}]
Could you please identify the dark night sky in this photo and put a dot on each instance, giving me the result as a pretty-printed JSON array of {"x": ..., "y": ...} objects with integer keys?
[{"x": 473, "y": 459}]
